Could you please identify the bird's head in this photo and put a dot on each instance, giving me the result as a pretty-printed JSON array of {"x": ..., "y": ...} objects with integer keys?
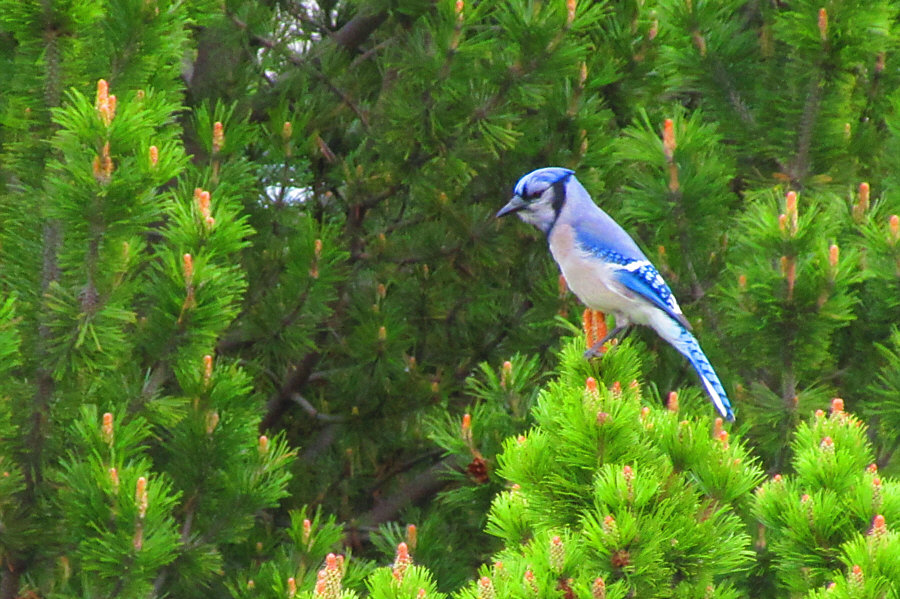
[{"x": 539, "y": 196}]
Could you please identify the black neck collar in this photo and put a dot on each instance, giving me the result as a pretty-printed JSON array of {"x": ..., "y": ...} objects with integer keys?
[{"x": 559, "y": 198}]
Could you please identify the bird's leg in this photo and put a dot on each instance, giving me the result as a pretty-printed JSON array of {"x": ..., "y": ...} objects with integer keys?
[{"x": 596, "y": 350}]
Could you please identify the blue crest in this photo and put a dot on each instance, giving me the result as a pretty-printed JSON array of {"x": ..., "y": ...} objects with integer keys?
[{"x": 541, "y": 179}]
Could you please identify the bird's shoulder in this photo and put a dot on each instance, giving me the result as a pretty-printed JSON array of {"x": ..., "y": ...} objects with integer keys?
[{"x": 598, "y": 234}]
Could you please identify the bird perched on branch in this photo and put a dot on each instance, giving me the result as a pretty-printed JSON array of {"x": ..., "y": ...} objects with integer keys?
[{"x": 604, "y": 267}]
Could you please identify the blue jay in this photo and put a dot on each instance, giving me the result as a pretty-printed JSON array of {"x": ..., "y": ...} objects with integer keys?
[{"x": 605, "y": 268}]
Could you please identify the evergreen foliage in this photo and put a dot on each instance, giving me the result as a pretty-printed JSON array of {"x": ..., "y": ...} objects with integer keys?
[
  {"x": 826, "y": 524},
  {"x": 642, "y": 498},
  {"x": 260, "y": 336}
]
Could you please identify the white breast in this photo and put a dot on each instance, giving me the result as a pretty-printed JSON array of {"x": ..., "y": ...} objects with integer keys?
[{"x": 592, "y": 280}]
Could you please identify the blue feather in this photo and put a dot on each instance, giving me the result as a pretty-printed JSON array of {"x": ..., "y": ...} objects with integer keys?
[
  {"x": 638, "y": 275},
  {"x": 605, "y": 267},
  {"x": 646, "y": 282},
  {"x": 540, "y": 179},
  {"x": 688, "y": 346}
]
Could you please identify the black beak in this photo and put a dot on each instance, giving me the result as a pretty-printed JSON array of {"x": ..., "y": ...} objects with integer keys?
[{"x": 514, "y": 205}]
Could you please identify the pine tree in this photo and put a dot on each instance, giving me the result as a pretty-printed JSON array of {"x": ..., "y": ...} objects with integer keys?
[
  {"x": 828, "y": 524},
  {"x": 133, "y": 458},
  {"x": 646, "y": 499},
  {"x": 257, "y": 323},
  {"x": 801, "y": 98}
]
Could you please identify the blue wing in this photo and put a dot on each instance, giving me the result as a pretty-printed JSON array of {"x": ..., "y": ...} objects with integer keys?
[
  {"x": 642, "y": 278},
  {"x": 600, "y": 235}
]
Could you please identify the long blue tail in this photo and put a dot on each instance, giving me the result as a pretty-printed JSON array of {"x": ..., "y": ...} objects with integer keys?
[{"x": 682, "y": 340}]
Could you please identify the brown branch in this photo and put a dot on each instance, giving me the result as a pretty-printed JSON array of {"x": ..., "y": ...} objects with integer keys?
[
  {"x": 190, "y": 509},
  {"x": 721, "y": 76},
  {"x": 324, "y": 439},
  {"x": 279, "y": 402},
  {"x": 358, "y": 29},
  {"x": 44, "y": 383},
  {"x": 801, "y": 162},
  {"x": 425, "y": 484},
  {"x": 312, "y": 411},
  {"x": 9, "y": 580},
  {"x": 370, "y": 53}
]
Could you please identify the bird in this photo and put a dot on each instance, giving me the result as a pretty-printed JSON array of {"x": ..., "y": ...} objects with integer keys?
[{"x": 605, "y": 268}]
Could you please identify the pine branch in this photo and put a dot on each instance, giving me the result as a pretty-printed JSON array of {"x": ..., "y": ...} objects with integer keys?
[
  {"x": 358, "y": 29},
  {"x": 326, "y": 436},
  {"x": 800, "y": 165},
  {"x": 370, "y": 53},
  {"x": 312, "y": 411},
  {"x": 676, "y": 198},
  {"x": 299, "y": 11},
  {"x": 9, "y": 580},
  {"x": 741, "y": 108},
  {"x": 53, "y": 79},
  {"x": 189, "y": 510},
  {"x": 44, "y": 384},
  {"x": 302, "y": 61},
  {"x": 278, "y": 404},
  {"x": 424, "y": 485}
]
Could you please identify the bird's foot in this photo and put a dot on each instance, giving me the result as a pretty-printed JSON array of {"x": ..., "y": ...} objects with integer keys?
[{"x": 598, "y": 349}]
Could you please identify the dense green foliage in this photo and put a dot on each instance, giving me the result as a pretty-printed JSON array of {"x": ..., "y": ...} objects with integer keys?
[{"x": 251, "y": 283}]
